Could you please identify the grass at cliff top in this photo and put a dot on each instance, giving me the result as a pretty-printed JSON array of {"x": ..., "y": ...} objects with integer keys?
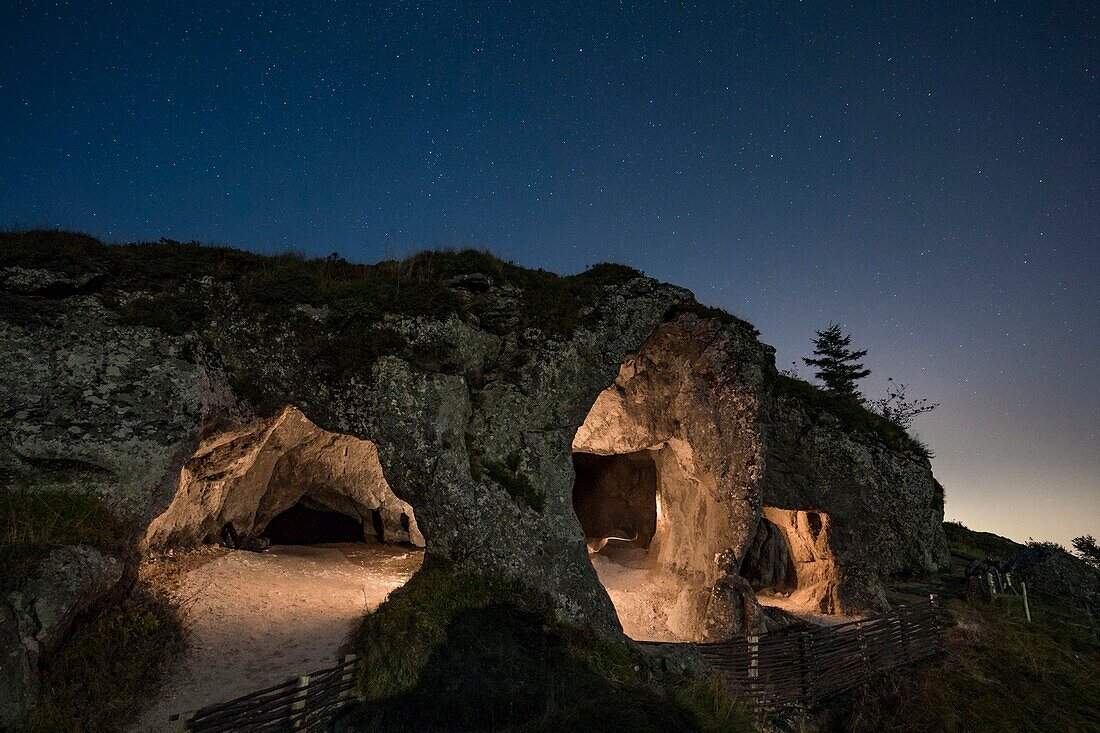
[
  {"x": 457, "y": 653},
  {"x": 853, "y": 415},
  {"x": 416, "y": 286}
]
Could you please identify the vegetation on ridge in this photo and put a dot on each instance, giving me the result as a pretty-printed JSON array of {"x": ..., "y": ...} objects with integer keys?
[
  {"x": 851, "y": 413},
  {"x": 1000, "y": 674}
]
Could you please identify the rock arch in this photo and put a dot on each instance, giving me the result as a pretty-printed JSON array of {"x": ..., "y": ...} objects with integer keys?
[
  {"x": 689, "y": 401},
  {"x": 249, "y": 475}
]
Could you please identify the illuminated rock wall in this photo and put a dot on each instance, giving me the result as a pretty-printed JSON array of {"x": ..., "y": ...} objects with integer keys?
[
  {"x": 249, "y": 475},
  {"x": 691, "y": 397}
]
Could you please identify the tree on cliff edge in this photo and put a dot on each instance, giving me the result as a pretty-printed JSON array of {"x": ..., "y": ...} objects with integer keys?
[{"x": 837, "y": 365}]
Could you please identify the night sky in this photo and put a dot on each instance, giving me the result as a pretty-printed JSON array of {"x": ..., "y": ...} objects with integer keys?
[{"x": 923, "y": 173}]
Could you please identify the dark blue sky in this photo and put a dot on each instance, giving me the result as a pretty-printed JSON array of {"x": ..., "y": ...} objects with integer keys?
[{"x": 925, "y": 173}]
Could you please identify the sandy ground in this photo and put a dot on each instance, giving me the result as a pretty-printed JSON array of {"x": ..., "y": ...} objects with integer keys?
[
  {"x": 254, "y": 620},
  {"x": 648, "y": 603}
]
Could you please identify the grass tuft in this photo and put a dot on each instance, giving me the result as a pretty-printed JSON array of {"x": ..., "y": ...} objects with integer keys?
[
  {"x": 33, "y": 522},
  {"x": 110, "y": 668}
]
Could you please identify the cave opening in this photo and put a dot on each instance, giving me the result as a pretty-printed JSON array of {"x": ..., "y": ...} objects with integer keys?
[
  {"x": 789, "y": 563},
  {"x": 302, "y": 524},
  {"x": 615, "y": 499},
  {"x": 318, "y": 540}
]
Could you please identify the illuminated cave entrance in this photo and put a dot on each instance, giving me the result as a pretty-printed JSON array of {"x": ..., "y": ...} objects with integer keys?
[
  {"x": 288, "y": 481},
  {"x": 639, "y": 511},
  {"x": 615, "y": 498},
  {"x": 341, "y": 542},
  {"x": 789, "y": 563},
  {"x": 668, "y": 477}
]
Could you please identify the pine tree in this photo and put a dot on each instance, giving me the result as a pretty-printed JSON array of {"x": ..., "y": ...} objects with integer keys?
[{"x": 837, "y": 365}]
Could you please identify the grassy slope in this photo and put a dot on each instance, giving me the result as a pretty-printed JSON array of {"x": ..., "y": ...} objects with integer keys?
[
  {"x": 110, "y": 668},
  {"x": 112, "y": 664},
  {"x": 461, "y": 653},
  {"x": 1001, "y": 674}
]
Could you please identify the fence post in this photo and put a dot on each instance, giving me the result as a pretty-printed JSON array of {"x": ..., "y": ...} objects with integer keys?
[
  {"x": 183, "y": 723},
  {"x": 299, "y": 704},
  {"x": 862, "y": 646},
  {"x": 753, "y": 643},
  {"x": 940, "y": 634},
  {"x": 903, "y": 621},
  {"x": 803, "y": 669},
  {"x": 989, "y": 583},
  {"x": 348, "y": 675},
  {"x": 1027, "y": 608}
]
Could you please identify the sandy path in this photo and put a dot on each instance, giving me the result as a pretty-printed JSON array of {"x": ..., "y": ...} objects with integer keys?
[
  {"x": 254, "y": 620},
  {"x": 651, "y": 605}
]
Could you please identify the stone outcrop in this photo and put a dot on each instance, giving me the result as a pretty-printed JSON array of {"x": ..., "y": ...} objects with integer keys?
[
  {"x": 691, "y": 396},
  {"x": 885, "y": 509},
  {"x": 462, "y": 420},
  {"x": 35, "y": 619},
  {"x": 93, "y": 405}
]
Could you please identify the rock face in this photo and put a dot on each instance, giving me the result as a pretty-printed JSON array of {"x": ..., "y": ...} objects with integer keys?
[
  {"x": 884, "y": 508},
  {"x": 87, "y": 403},
  {"x": 767, "y": 562},
  {"x": 34, "y": 620},
  {"x": 456, "y": 425},
  {"x": 691, "y": 396}
]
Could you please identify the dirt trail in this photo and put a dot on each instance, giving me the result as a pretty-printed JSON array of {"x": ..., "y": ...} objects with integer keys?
[{"x": 254, "y": 620}]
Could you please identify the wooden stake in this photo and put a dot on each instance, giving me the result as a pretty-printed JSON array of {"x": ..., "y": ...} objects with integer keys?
[
  {"x": 183, "y": 721},
  {"x": 1027, "y": 608},
  {"x": 299, "y": 704},
  {"x": 348, "y": 675},
  {"x": 754, "y": 661}
]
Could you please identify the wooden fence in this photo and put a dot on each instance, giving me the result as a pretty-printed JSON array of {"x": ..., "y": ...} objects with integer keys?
[
  {"x": 801, "y": 668},
  {"x": 306, "y": 704},
  {"x": 804, "y": 668}
]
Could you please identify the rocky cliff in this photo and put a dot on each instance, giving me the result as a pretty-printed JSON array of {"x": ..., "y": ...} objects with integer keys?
[{"x": 176, "y": 381}]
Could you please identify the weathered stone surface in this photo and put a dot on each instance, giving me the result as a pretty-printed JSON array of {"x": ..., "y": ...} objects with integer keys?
[
  {"x": 90, "y": 405},
  {"x": 885, "y": 514},
  {"x": 485, "y": 458},
  {"x": 474, "y": 421},
  {"x": 767, "y": 562},
  {"x": 34, "y": 620}
]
